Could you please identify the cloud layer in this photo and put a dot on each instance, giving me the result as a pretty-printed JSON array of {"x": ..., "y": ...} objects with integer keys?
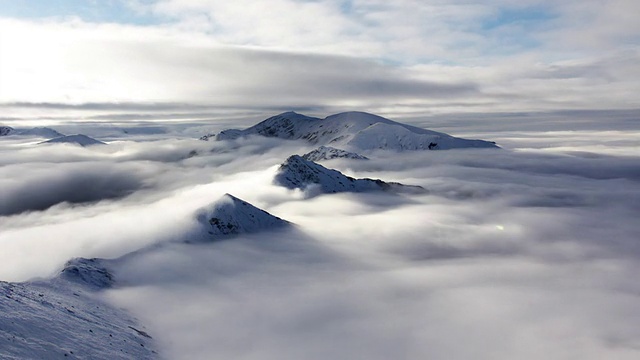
[{"x": 523, "y": 252}]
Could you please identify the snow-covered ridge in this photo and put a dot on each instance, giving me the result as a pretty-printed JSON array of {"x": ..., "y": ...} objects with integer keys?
[
  {"x": 65, "y": 318},
  {"x": 232, "y": 216},
  {"x": 43, "y": 132},
  {"x": 298, "y": 173},
  {"x": 354, "y": 130},
  {"x": 328, "y": 153},
  {"x": 80, "y": 139}
]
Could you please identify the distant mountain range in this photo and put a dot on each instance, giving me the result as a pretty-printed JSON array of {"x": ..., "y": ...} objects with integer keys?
[
  {"x": 43, "y": 132},
  {"x": 354, "y": 130}
]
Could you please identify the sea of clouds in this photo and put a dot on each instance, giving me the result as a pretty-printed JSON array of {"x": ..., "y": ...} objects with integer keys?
[{"x": 526, "y": 252}]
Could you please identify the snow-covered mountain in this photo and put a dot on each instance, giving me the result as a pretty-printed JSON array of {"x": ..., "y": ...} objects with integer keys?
[
  {"x": 65, "y": 317},
  {"x": 231, "y": 216},
  {"x": 328, "y": 153},
  {"x": 43, "y": 132},
  {"x": 298, "y": 173},
  {"x": 80, "y": 139},
  {"x": 354, "y": 130},
  {"x": 6, "y": 130}
]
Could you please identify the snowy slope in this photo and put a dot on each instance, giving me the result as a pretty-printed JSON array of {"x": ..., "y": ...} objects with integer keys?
[
  {"x": 328, "y": 153},
  {"x": 6, "y": 130},
  {"x": 231, "y": 216},
  {"x": 65, "y": 318},
  {"x": 396, "y": 137},
  {"x": 298, "y": 173},
  {"x": 356, "y": 130},
  {"x": 82, "y": 140},
  {"x": 43, "y": 132}
]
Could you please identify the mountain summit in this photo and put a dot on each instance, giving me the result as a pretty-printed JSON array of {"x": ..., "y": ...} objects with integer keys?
[
  {"x": 232, "y": 216},
  {"x": 79, "y": 139},
  {"x": 356, "y": 130},
  {"x": 298, "y": 173}
]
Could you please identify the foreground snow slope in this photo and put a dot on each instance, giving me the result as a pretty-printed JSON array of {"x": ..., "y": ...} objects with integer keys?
[
  {"x": 358, "y": 130},
  {"x": 65, "y": 318}
]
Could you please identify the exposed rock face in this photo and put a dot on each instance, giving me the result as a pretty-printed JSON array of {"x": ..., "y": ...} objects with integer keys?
[
  {"x": 355, "y": 130},
  {"x": 232, "y": 216},
  {"x": 207, "y": 137},
  {"x": 328, "y": 153},
  {"x": 298, "y": 173}
]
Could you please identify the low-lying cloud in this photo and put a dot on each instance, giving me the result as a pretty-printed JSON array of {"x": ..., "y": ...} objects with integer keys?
[
  {"x": 75, "y": 183},
  {"x": 524, "y": 252}
]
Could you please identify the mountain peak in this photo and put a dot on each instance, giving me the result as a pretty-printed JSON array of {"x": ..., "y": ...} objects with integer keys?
[
  {"x": 230, "y": 215},
  {"x": 80, "y": 139},
  {"x": 298, "y": 173}
]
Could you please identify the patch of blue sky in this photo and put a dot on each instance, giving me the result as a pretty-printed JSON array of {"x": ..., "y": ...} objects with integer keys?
[
  {"x": 514, "y": 30},
  {"x": 346, "y": 7},
  {"x": 115, "y": 11},
  {"x": 532, "y": 17}
]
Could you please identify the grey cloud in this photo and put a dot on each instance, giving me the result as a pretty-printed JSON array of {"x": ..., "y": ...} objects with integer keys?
[
  {"x": 305, "y": 76},
  {"x": 225, "y": 77},
  {"x": 28, "y": 189}
]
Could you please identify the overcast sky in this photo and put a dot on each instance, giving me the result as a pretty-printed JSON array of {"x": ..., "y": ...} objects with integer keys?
[{"x": 395, "y": 58}]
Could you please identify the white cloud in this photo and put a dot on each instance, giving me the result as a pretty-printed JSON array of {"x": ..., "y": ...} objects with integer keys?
[{"x": 511, "y": 252}]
